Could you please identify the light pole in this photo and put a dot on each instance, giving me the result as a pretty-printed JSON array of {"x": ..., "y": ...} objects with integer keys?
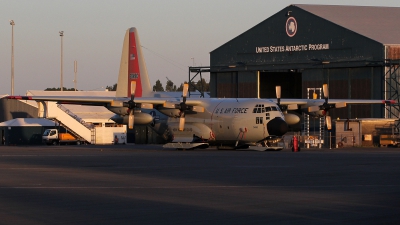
[
  {"x": 75, "y": 71},
  {"x": 12, "y": 56},
  {"x": 61, "y": 35}
]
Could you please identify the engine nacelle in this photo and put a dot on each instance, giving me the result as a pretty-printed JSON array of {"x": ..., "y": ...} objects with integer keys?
[
  {"x": 169, "y": 111},
  {"x": 291, "y": 119},
  {"x": 139, "y": 119},
  {"x": 316, "y": 114}
]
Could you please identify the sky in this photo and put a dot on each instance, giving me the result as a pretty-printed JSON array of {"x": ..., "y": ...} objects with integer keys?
[{"x": 174, "y": 34}]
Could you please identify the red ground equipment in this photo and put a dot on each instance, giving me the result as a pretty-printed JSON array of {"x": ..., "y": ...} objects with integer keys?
[{"x": 295, "y": 144}]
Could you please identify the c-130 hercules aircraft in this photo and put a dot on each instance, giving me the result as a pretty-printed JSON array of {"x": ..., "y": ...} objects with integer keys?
[{"x": 225, "y": 122}]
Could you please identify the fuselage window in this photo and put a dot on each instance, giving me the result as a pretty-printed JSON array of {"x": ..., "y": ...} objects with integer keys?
[{"x": 259, "y": 120}]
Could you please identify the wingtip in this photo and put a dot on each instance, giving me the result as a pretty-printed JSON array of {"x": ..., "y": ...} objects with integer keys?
[
  {"x": 388, "y": 101},
  {"x": 19, "y": 97}
]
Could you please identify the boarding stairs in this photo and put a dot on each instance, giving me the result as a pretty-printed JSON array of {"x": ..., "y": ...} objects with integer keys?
[{"x": 76, "y": 125}]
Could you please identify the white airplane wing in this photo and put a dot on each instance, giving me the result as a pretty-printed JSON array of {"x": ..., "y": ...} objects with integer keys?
[
  {"x": 308, "y": 102},
  {"x": 103, "y": 101}
]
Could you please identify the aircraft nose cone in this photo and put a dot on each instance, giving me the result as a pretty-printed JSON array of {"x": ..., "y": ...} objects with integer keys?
[{"x": 277, "y": 127}]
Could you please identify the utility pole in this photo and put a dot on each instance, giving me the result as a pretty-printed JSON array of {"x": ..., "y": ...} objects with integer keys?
[
  {"x": 12, "y": 56},
  {"x": 75, "y": 71},
  {"x": 61, "y": 35}
]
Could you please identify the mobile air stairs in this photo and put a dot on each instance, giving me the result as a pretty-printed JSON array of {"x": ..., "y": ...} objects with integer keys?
[{"x": 76, "y": 125}]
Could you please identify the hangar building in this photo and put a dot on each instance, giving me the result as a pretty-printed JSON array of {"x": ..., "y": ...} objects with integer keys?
[{"x": 354, "y": 49}]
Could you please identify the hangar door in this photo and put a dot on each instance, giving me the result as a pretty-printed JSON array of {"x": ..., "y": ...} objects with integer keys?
[{"x": 290, "y": 82}]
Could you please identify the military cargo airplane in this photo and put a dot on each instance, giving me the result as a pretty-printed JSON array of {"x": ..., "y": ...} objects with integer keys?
[{"x": 231, "y": 122}]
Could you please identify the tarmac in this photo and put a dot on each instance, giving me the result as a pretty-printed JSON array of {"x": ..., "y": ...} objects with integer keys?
[{"x": 146, "y": 184}]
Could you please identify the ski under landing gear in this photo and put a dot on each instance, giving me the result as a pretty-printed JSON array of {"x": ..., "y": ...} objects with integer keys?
[{"x": 269, "y": 144}]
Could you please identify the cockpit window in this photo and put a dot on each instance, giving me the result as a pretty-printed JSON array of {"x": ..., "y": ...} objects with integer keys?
[
  {"x": 272, "y": 108},
  {"x": 259, "y": 108}
]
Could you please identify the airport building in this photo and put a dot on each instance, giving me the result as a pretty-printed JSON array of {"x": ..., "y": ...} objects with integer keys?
[
  {"x": 88, "y": 124},
  {"x": 354, "y": 49}
]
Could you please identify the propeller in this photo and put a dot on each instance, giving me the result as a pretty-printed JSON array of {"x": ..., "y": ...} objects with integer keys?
[
  {"x": 183, "y": 107},
  {"x": 326, "y": 106},
  {"x": 131, "y": 105}
]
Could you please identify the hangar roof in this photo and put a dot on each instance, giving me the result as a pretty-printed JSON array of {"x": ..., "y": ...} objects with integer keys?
[
  {"x": 27, "y": 122},
  {"x": 377, "y": 23}
]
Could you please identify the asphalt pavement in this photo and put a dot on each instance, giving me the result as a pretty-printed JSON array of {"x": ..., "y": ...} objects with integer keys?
[{"x": 146, "y": 184}]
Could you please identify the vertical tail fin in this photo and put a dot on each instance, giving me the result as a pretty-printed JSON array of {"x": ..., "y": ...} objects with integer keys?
[{"x": 133, "y": 67}]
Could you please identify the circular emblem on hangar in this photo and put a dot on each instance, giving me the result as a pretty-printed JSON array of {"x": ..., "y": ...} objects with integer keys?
[{"x": 291, "y": 26}]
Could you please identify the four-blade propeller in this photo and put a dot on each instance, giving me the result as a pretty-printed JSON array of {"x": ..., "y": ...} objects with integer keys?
[
  {"x": 326, "y": 106},
  {"x": 131, "y": 105},
  {"x": 183, "y": 107}
]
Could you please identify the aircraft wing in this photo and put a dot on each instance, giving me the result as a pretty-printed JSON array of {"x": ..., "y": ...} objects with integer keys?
[
  {"x": 318, "y": 107},
  {"x": 78, "y": 100},
  {"x": 308, "y": 102},
  {"x": 102, "y": 101}
]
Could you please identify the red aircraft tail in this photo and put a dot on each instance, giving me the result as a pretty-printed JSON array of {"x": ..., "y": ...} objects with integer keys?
[{"x": 133, "y": 67}]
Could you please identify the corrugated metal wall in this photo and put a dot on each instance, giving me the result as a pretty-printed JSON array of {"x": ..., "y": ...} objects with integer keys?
[{"x": 349, "y": 83}]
